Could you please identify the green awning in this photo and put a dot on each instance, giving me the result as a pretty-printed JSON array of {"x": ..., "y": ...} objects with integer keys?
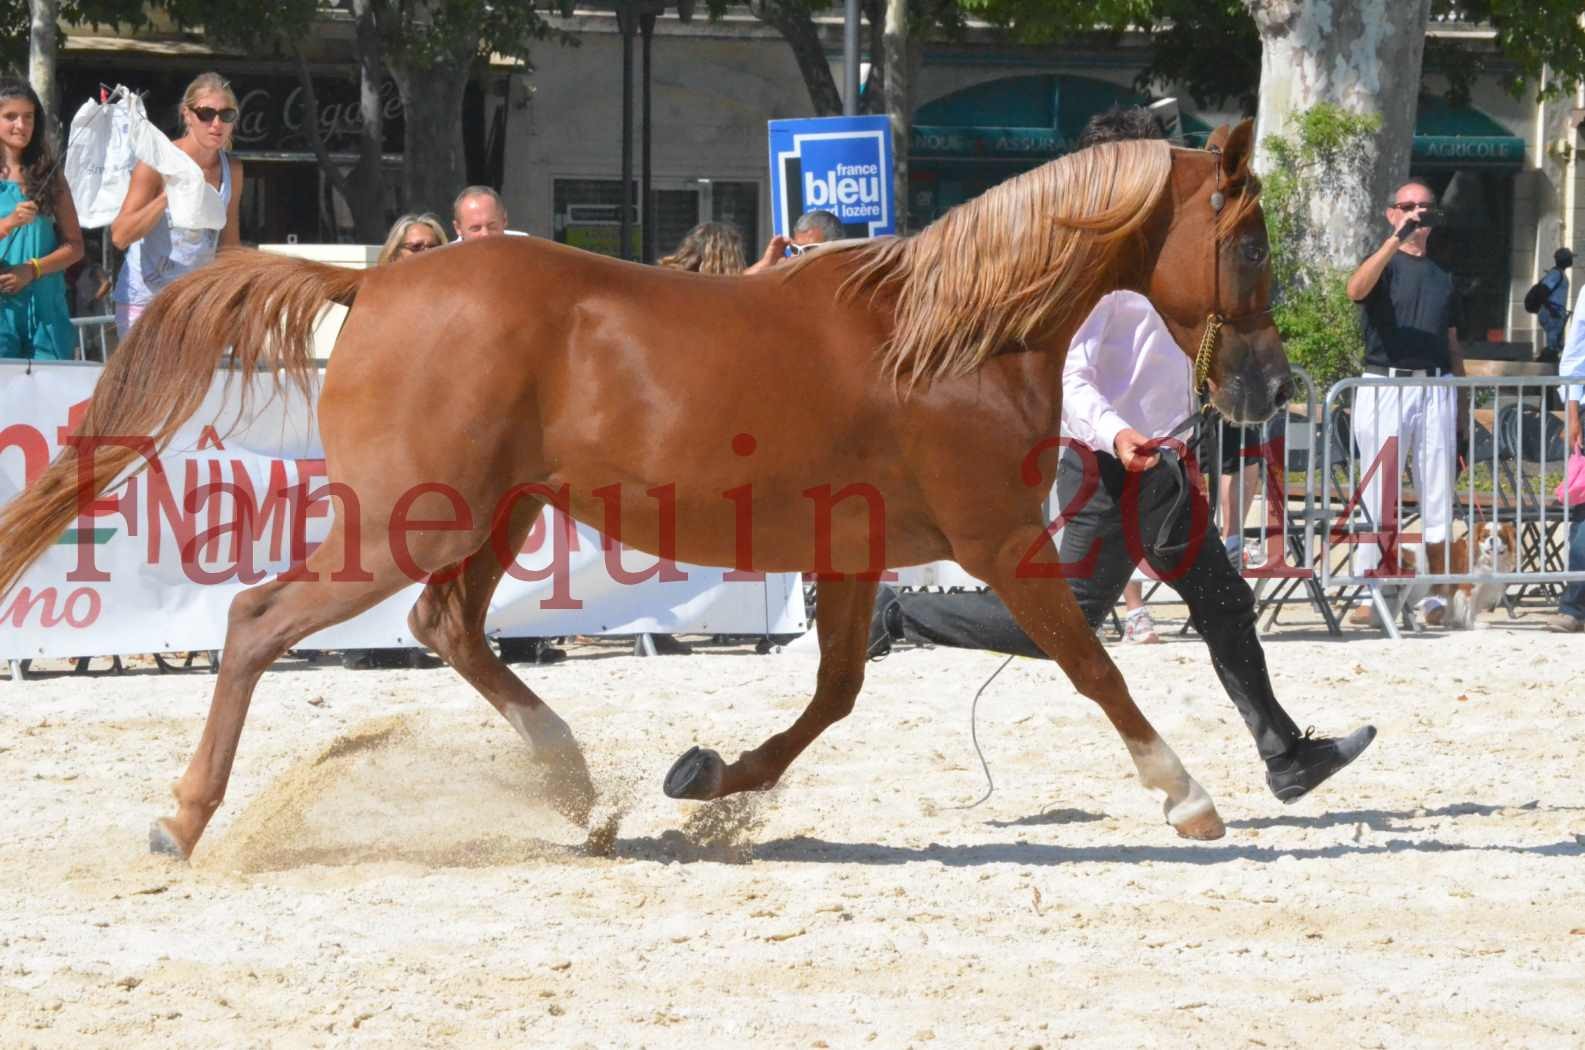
[
  {"x": 1448, "y": 136},
  {"x": 1025, "y": 118}
]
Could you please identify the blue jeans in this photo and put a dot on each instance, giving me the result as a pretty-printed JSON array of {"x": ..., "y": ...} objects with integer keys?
[{"x": 1573, "y": 600}]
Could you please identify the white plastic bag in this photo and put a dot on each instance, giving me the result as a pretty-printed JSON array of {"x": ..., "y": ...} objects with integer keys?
[
  {"x": 99, "y": 160},
  {"x": 107, "y": 139}
]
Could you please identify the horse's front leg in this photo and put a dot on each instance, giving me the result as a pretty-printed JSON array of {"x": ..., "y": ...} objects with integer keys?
[
  {"x": 1046, "y": 609},
  {"x": 842, "y": 623}
]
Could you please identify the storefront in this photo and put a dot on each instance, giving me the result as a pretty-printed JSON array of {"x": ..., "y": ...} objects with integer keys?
[
  {"x": 968, "y": 141},
  {"x": 1472, "y": 163}
]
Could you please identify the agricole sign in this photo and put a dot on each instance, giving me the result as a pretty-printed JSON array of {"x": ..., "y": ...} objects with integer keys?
[
  {"x": 1488, "y": 149},
  {"x": 274, "y": 109},
  {"x": 275, "y": 115}
]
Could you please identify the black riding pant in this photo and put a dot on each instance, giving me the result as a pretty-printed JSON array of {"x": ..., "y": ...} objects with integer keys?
[{"x": 1168, "y": 525}]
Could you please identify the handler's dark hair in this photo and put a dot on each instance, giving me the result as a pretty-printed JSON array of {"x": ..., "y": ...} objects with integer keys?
[{"x": 1121, "y": 124}]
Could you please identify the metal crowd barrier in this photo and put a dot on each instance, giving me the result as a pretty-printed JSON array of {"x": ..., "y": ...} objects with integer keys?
[
  {"x": 96, "y": 337},
  {"x": 1383, "y": 487}
]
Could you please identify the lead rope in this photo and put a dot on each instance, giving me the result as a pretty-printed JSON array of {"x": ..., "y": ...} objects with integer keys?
[{"x": 974, "y": 735}]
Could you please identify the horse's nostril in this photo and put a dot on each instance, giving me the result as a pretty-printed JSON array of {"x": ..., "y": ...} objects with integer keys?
[{"x": 1284, "y": 392}]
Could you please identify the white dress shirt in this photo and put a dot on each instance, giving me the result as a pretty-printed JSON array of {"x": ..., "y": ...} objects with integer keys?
[
  {"x": 1572, "y": 363},
  {"x": 1124, "y": 370}
]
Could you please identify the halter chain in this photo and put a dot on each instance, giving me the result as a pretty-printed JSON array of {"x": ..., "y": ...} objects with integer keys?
[{"x": 1202, "y": 360}]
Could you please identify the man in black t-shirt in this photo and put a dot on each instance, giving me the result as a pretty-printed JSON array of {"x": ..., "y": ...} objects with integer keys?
[{"x": 1408, "y": 305}]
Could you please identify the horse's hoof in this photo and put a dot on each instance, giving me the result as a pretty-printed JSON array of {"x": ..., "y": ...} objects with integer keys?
[
  {"x": 164, "y": 844},
  {"x": 696, "y": 775},
  {"x": 1196, "y": 819}
]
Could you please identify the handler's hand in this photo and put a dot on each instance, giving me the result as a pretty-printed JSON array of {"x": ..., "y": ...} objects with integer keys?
[{"x": 1135, "y": 450}]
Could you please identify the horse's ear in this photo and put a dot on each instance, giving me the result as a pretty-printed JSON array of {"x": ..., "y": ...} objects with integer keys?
[
  {"x": 1218, "y": 138},
  {"x": 1238, "y": 149}
]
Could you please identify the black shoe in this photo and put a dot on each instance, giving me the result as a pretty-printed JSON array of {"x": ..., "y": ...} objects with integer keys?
[
  {"x": 530, "y": 651},
  {"x": 668, "y": 645},
  {"x": 387, "y": 659},
  {"x": 358, "y": 659},
  {"x": 1310, "y": 761},
  {"x": 886, "y": 623}
]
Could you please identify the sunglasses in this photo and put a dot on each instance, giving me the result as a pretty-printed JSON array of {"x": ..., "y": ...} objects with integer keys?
[
  {"x": 799, "y": 249},
  {"x": 207, "y": 114},
  {"x": 417, "y": 246},
  {"x": 1415, "y": 206}
]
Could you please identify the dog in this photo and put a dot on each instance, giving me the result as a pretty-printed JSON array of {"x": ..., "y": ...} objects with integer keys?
[
  {"x": 1419, "y": 603},
  {"x": 1497, "y": 551}
]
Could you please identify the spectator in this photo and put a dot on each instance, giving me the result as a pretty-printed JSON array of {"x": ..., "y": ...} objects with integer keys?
[
  {"x": 410, "y": 235},
  {"x": 1237, "y": 448},
  {"x": 1408, "y": 304},
  {"x": 710, "y": 247},
  {"x": 1570, "y": 618},
  {"x": 1553, "y": 314},
  {"x": 92, "y": 290},
  {"x": 40, "y": 234},
  {"x": 812, "y": 227},
  {"x": 157, "y": 252},
  {"x": 478, "y": 212}
]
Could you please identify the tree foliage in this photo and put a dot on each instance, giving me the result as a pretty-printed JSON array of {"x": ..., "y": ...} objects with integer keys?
[
  {"x": 795, "y": 21},
  {"x": 1318, "y": 321},
  {"x": 1212, "y": 49}
]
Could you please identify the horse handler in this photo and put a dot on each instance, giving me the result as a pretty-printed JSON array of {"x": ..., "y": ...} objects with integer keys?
[{"x": 1125, "y": 385}]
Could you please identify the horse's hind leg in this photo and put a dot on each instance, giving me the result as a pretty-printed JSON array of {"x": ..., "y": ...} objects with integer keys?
[
  {"x": 843, "y": 626},
  {"x": 1047, "y": 611},
  {"x": 264, "y": 622},
  {"x": 449, "y": 618}
]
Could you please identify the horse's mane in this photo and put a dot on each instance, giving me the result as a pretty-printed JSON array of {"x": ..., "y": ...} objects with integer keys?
[{"x": 1035, "y": 251}]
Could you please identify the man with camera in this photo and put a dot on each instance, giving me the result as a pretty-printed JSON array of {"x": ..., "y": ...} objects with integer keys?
[{"x": 1408, "y": 303}]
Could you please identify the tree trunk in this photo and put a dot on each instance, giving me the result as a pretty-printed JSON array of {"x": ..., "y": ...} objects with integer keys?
[
  {"x": 1363, "y": 56},
  {"x": 793, "y": 22},
  {"x": 875, "y": 83},
  {"x": 43, "y": 42},
  {"x": 897, "y": 103},
  {"x": 433, "y": 166},
  {"x": 367, "y": 181},
  {"x": 362, "y": 189}
]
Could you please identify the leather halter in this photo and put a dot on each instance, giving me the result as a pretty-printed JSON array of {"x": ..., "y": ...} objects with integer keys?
[{"x": 1214, "y": 322}]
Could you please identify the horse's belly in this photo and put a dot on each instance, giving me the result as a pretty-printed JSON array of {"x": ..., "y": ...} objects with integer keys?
[{"x": 765, "y": 528}]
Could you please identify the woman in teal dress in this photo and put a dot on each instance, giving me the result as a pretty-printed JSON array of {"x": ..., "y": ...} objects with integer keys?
[{"x": 39, "y": 235}]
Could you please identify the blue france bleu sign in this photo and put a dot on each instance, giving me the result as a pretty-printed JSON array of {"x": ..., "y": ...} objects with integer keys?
[{"x": 842, "y": 165}]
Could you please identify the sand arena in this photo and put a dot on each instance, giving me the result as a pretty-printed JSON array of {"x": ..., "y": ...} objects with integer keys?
[{"x": 384, "y": 874}]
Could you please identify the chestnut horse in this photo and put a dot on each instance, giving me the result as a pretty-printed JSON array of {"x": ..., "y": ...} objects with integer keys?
[{"x": 471, "y": 386}]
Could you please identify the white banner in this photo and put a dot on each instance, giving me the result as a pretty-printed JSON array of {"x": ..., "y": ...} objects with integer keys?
[{"x": 229, "y": 495}]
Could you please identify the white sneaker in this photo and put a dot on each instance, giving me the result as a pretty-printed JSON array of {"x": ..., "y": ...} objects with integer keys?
[{"x": 1140, "y": 629}]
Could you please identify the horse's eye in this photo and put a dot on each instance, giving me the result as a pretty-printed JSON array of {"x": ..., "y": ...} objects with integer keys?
[{"x": 1254, "y": 251}]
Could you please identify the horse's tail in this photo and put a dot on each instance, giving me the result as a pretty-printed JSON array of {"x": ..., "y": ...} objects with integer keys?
[{"x": 260, "y": 307}]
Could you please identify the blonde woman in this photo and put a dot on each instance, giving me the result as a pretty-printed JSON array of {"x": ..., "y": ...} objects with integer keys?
[
  {"x": 710, "y": 247},
  {"x": 410, "y": 235},
  {"x": 158, "y": 252}
]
